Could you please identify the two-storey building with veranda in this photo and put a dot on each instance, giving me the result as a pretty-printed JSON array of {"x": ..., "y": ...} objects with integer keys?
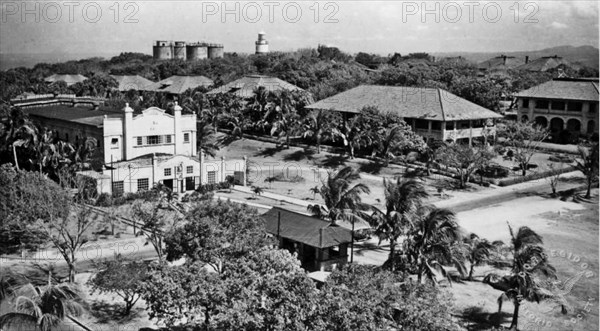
[
  {"x": 433, "y": 113},
  {"x": 562, "y": 104},
  {"x": 138, "y": 150}
]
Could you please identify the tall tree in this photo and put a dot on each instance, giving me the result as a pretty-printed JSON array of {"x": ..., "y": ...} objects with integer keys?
[
  {"x": 529, "y": 261},
  {"x": 68, "y": 234},
  {"x": 342, "y": 199},
  {"x": 320, "y": 125},
  {"x": 214, "y": 232},
  {"x": 430, "y": 244},
  {"x": 403, "y": 199},
  {"x": 479, "y": 251},
  {"x": 523, "y": 139},
  {"x": 464, "y": 159},
  {"x": 588, "y": 165},
  {"x": 122, "y": 277},
  {"x": 25, "y": 198}
]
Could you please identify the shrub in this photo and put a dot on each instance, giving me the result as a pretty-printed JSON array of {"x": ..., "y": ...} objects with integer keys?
[
  {"x": 538, "y": 175},
  {"x": 206, "y": 188},
  {"x": 561, "y": 158},
  {"x": 493, "y": 171}
]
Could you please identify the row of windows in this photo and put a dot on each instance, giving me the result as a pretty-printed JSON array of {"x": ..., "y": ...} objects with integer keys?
[
  {"x": 162, "y": 139},
  {"x": 188, "y": 170},
  {"x": 558, "y": 105}
]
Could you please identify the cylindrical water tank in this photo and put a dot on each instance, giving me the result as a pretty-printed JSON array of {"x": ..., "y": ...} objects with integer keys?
[
  {"x": 215, "y": 51},
  {"x": 179, "y": 50},
  {"x": 196, "y": 51},
  {"x": 162, "y": 50}
]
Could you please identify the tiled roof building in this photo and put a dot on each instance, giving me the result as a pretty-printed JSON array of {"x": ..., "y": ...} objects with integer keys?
[
  {"x": 432, "y": 112},
  {"x": 245, "y": 86},
  {"x": 562, "y": 104},
  {"x": 132, "y": 82},
  {"x": 179, "y": 84}
]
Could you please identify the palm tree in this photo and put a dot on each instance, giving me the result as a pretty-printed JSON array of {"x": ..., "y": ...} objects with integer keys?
[
  {"x": 588, "y": 165},
  {"x": 16, "y": 130},
  {"x": 206, "y": 139},
  {"x": 403, "y": 198},
  {"x": 356, "y": 134},
  {"x": 529, "y": 261},
  {"x": 46, "y": 307},
  {"x": 256, "y": 190},
  {"x": 321, "y": 125},
  {"x": 431, "y": 243},
  {"x": 342, "y": 200},
  {"x": 479, "y": 251}
]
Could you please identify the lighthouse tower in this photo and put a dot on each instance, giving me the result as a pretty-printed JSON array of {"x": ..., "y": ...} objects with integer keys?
[{"x": 262, "y": 45}]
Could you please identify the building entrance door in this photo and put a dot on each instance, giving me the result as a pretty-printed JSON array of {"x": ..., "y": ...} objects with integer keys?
[
  {"x": 168, "y": 183},
  {"x": 181, "y": 187}
]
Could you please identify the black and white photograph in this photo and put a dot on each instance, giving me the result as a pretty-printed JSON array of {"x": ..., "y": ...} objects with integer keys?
[{"x": 196, "y": 165}]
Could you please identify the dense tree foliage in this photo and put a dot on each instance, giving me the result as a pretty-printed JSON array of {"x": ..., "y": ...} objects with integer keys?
[
  {"x": 21, "y": 194},
  {"x": 522, "y": 139},
  {"x": 464, "y": 160},
  {"x": 121, "y": 277},
  {"x": 213, "y": 232}
]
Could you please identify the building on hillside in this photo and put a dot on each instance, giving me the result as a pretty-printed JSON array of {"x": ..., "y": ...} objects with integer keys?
[
  {"x": 320, "y": 245},
  {"x": 545, "y": 63},
  {"x": 138, "y": 151},
  {"x": 501, "y": 63},
  {"x": 245, "y": 86},
  {"x": 432, "y": 113},
  {"x": 176, "y": 85},
  {"x": 562, "y": 104},
  {"x": 69, "y": 79},
  {"x": 132, "y": 82}
]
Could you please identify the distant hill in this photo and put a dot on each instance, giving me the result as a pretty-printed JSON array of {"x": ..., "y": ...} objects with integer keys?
[{"x": 585, "y": 55}]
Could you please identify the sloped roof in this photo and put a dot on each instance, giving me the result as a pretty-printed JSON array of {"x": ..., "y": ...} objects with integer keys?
[
  {"x": 179, "y": 84},
  {"x": 134, "y": 82},
  {"x": 566, "y": 89},
  {"x": 69, "y": 79},
  {"x": 82, "y": 115},
  {"x": 498, "y": 63},
  {"x": 146, "y": 160},
  {"x": 245, "y": 86},
  {"x": 410, "y": 102},
  {"x": 305, "y": 229},
  {"x": 544, "y": 64}
]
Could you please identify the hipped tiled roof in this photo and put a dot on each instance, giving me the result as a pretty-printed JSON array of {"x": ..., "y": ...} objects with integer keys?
[
  {"x": 179, "y": 84},
  {"x": 408, "y": 102},
  {"x": 565, "y": 89},
  {"x": 134, "y": 82},
  {"x": 305, "y": 229},
  {"x": 245, "y": 86}
]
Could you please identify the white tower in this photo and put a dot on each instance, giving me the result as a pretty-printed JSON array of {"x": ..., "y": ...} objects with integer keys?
[{"x": 262, "y": 45}]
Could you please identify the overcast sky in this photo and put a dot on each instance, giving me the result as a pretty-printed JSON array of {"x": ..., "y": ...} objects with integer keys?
[{"x": 374, "y": 26}]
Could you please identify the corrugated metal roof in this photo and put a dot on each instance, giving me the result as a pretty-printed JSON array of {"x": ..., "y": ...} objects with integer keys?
[
  {"x": 581, "y": 90},
  {"x": 179, "y": 84},
  {"x": 245, "y": 86},
  {"x": 409, "y": 102},
  {"x": 135, "y": 82},
  {"x": 305, "y": 229}
]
